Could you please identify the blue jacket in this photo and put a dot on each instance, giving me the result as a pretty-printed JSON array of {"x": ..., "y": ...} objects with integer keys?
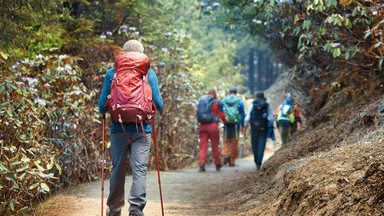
[{"x": 130, "y": 127}]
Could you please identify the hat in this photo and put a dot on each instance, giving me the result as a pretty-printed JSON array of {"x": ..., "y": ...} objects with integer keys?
[
  {"x": 288, "y": 97},
  {"x": 133, "y": 46},
  {"x": 233, "y": 89},
  {"x": 212, "y": 91},
  {"x": 260, "y": 95}
]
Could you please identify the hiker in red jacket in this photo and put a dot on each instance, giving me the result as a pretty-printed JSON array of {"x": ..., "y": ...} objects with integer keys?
[
  {"x": 128, "y": 140},
  {"x": 209, "y": 115}
]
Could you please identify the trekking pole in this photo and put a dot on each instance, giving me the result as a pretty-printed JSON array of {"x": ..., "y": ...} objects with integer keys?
[
  {"x": 102, "y": 166},
  {"x": 274, "y": 143},
  {"x": 241, "y": 150},
  {"x": 157, "y": 162}
]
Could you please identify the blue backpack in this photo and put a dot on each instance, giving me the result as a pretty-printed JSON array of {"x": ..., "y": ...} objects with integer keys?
[
  {"x": 286, "y": 115},
  {"x": 204, "y": 109}
]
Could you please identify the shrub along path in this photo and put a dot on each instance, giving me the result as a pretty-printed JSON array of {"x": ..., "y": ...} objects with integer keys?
[{"x": 184, "y": 192}]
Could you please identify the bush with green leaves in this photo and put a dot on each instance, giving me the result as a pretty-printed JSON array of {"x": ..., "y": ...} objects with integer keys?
[
  {"x": 42, "y": 104},
  {"x": 348, "y": 31}
]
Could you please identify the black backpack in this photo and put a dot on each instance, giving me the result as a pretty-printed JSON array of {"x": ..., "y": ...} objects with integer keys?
[
  {"x": 259, "y": 116},
  {"x": 204, "y": 109}
]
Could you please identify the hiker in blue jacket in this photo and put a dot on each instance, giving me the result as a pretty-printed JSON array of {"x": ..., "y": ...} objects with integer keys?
[
  {"x": 138, "y": 151},
  {"x": 233, "y": 109},
  {"x": 257, "y": 116}
]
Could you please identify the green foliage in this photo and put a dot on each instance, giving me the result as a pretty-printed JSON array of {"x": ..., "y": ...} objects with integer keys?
[
  {"x": 50, "y": 132},
  {"x": 323, "y": 30},
  {"x": 180, "y": 87},
  {"x": 20, "y": 20},
  {"x": 47, "y": 37},
  {"x": 213, "y": 48},
  {"x": 42, "y": 102}
]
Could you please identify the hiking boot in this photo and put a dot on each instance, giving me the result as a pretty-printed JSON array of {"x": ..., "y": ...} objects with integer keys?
[
  {"x": 226, "y": 160},
  {"x": 232, "y": 165},
  {"x": 136, "y": 213},
  {"x": 110, "y": 213},
  {"x": 202, "y": 168},
  {"x": 218, "y": 167},
  {"x": 258, "y": 167}
]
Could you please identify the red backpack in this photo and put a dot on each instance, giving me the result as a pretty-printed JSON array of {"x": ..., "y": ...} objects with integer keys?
[{"x": 130, "y": 100}]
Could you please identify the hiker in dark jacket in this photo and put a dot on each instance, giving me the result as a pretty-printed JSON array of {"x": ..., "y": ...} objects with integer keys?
[
  {"x": 208, "y": 116},
  {"x": 138, "y": 151},
  {"x": 257, "y": 116}
]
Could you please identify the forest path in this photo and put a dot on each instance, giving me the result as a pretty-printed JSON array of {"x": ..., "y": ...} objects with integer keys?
[{"x": 185, "y": 192}]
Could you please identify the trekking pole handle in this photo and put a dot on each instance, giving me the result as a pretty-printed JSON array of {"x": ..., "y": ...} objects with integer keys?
[{"x": 104, "y": 116}]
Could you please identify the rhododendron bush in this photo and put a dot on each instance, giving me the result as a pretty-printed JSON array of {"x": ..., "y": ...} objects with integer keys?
[{"x": 42, "y": 147}]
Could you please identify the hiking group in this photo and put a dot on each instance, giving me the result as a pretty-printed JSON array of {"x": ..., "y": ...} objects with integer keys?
[
  {"x": 131, "y": 95},
  {"x": 210, "y": 111}
]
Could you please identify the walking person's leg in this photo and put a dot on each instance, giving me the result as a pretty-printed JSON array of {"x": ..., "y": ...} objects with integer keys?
[
  {"x": 138, "y": 156},
  {"x": 235, "y": 145},
  {"x": 254, "y": 143},
  {"x": 234, "y": 150},
  {"x": 119, "y": 152},
  {"x": 261, "y": 147},
  {"x": 284, "y": 133},
  {"x": 231, "y": 140},
  {"x": 293, "y": 130},
  {"x": 214, "y": 136},
  {"x": 225, "y": 152},
  {"x": 203, "y": 133}
]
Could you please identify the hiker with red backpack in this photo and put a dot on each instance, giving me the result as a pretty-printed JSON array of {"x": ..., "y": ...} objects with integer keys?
[
  {"x": 257, "y": 117},
  {"x": 233, "y": 109},
  {"x": 287, "y": 118},
  {"x": 131, "y": 95},
  {"x": 209, "y": 115}
]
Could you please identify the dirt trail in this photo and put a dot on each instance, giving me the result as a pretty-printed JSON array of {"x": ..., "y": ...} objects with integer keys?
[{"x": 184, "y": 192}]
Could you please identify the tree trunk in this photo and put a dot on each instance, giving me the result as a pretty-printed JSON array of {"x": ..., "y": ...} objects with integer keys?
[
  {"x": 260, "y": 63},
  {"x": 251, "y": 71}
]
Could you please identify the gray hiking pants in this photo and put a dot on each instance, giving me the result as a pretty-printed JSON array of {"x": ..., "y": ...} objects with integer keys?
[{"x": 138, "y": 157}]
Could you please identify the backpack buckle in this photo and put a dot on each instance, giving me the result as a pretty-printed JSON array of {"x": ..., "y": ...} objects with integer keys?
[{"x": 117, "y": 81}]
